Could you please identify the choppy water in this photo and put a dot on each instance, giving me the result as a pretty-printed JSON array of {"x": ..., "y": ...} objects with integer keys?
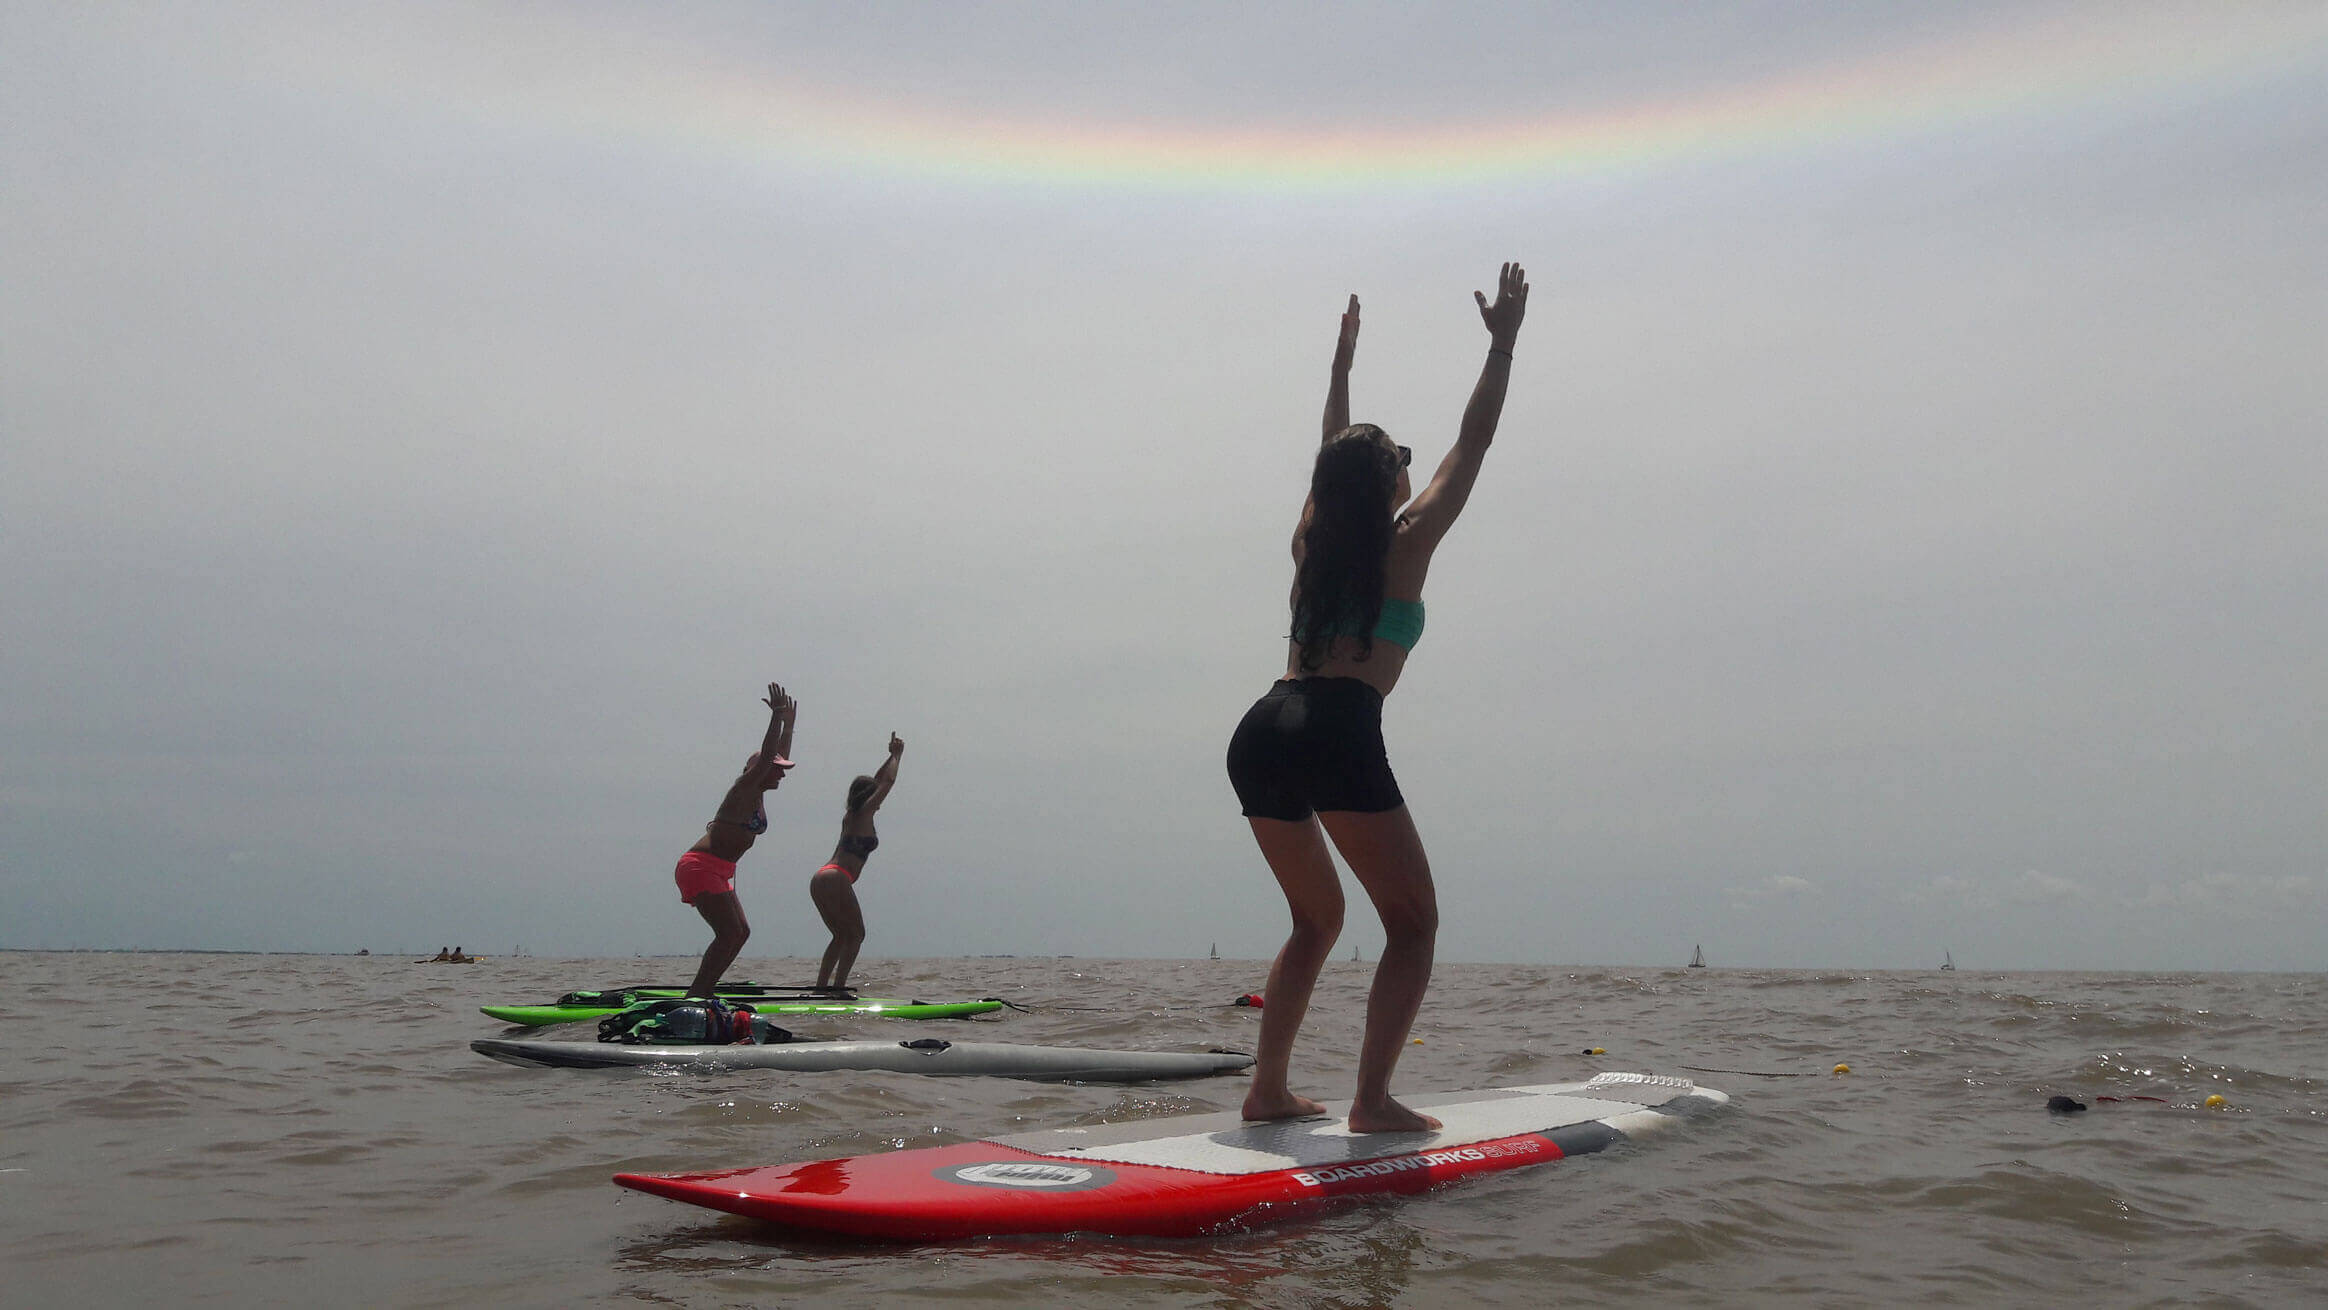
[{"x": 181, "y": 1129}]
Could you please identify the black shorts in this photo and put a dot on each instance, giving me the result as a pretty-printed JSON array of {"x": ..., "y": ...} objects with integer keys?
[{"x": 1313, "y": 744}]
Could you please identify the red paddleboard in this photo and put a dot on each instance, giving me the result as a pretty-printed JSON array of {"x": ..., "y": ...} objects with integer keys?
[{"x": 1181, "y": 1177}]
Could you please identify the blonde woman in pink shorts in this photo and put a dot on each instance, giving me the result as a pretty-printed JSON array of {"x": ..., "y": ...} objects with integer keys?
[{"x": 707, "y": 872}]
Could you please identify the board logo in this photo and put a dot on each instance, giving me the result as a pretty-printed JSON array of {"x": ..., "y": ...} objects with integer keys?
[
  {"x": 1398, "y": 1164},
  {"x": 1029, "y": 1175}
]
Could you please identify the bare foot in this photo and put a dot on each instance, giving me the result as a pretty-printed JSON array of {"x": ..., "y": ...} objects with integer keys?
[
  {"x": 1283, "y": 1106},
  {"x": 1390, "y": 1117}
]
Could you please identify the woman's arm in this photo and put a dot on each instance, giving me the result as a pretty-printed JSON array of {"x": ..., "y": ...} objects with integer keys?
[
  {"x": 783, "y": 713},
  {"x": 743, "y": 795},
  {"x": 885, "y": 777},
  {"x": 1436, "y": 508},
  {"x": 1337, "y": 402},
  {"x": 1338, "y": 381}
]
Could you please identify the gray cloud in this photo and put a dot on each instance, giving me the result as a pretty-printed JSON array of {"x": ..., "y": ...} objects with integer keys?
[{"x": 406, "y": 480}]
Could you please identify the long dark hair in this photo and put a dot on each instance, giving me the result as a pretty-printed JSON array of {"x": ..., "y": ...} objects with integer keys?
[
  {"x": 1337, "y": 591},
  {"x": 860, "y": 791}
]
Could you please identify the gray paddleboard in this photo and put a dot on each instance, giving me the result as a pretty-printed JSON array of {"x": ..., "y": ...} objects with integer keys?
[{"x": 929, "y": 1056}]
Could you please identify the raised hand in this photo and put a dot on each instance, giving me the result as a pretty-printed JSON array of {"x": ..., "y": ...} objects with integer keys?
[
  {"x": 1346, "y": 345},
  {"x": 1511, "y": 305},
  {"x": 896, "y": 746}
]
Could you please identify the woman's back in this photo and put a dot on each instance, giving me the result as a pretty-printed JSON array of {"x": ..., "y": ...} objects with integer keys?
[{"x": 1345, "y": 656}]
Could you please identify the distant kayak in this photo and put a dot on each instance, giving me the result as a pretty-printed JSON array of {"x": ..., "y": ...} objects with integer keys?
[{"x": 929, "y": 1055}]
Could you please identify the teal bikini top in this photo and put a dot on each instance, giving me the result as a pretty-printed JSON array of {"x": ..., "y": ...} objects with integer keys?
[{"x": 1401, "y": 623}]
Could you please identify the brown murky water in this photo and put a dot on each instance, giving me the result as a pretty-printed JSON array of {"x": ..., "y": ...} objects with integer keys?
[{"x": 188, "y": 1129}]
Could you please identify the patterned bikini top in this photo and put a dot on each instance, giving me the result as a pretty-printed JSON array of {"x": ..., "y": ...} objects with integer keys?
[{"x": 758, "y": 823}]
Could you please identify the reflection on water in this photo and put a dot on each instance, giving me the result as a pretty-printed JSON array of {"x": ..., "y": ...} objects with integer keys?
[{"x": 1358, "y": 1252}]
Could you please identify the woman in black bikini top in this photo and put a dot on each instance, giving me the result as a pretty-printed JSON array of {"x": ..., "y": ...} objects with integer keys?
[{"x": 834, "y": 887}]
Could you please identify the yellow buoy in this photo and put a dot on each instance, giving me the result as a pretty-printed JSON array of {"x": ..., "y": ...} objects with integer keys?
[
  {"x": 2216, "y": 1102},
  {"x": 1418, "y": 1041},
  {"x": 1842, "y": 1069}
]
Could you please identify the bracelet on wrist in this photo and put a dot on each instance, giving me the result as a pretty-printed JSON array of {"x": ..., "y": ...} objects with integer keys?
[{"x": 1499, "y": 350}]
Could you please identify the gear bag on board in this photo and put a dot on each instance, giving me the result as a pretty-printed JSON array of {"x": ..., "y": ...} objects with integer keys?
[{"x": 690, "y": 1021}]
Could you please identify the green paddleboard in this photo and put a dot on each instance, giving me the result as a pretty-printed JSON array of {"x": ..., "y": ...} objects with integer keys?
[{"x": 536, "y": 1016}]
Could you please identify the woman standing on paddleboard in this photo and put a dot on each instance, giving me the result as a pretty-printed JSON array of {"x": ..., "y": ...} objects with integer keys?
[
  {"x": 707, "y": 872},
  {"x": 834, "y": 887},
  {"x": 1308, "y": 761}
]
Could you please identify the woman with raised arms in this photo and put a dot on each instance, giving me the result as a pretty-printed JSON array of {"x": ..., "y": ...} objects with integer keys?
[
  {"x": 834, "y": 887},
  {"x": 707, "y": 872},
  {"x": 1308, "y": 761}
]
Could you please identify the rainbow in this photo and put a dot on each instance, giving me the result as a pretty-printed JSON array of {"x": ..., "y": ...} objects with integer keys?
[{"x": 606, "y": 88}]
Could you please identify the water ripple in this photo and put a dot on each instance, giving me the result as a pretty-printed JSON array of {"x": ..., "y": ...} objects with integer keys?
[{"x": 324, "y": 1112}]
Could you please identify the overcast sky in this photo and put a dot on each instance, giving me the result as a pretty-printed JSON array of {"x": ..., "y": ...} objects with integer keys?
[{"x": 424, "y": 429}]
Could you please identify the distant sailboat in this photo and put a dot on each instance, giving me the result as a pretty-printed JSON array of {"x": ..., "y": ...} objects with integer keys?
[
  {"x": 1216, "y": 951},
  {"x": 1697, "y": 958},
  {"x": 1947, "y": 962},
  {"x": 1353, "y": 951}
]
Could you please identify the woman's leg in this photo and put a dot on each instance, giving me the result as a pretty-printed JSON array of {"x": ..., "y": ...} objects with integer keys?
[
  {"x": 1385, "y": 854},
  {"x": 725, "y": 913},
  {"x": 836, "y": 901},
  {"x": 1313, "y": 891}
]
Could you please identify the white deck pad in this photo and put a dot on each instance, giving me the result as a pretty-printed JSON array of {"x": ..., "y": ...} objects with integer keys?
[{"x": 1226, "y": 1144}]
